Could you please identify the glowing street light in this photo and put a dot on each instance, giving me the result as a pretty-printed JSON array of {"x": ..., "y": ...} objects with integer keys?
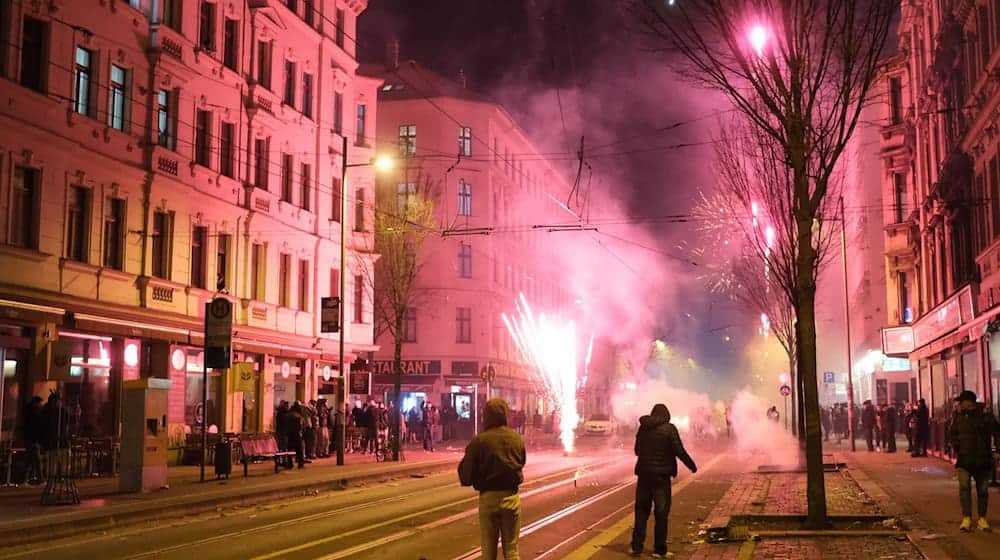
[
  {"x": 384, "y": 163},
  {"x": 758, "y": 39}
]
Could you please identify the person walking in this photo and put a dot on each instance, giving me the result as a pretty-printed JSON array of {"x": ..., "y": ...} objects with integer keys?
[
  {"x": 493, "y": 465},
  {"x": 428, "y": 427},
  {"x": 868, "y": 423},
  {"x": 657, "y": 447},
  {"x": 973, "y": 433}
]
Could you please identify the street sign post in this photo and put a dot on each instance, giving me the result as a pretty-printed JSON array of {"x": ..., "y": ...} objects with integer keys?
[
  {"x": 785, "y": 390},
  {"x": 218, "y": 343}
]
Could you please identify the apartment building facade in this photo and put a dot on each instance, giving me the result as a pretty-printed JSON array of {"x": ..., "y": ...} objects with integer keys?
[
  {"x": 942, "y": 228},
  {"x": 157, "y": 154},
  {"x": 490, "y": 185}
]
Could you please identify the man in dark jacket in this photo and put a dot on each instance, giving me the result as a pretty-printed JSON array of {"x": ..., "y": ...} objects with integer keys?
[
  {"x": 868, "y": 424},
  {"x": 493, "y": 465},
  {"x": 657, "y": 446},
  {"x": 293, "y": 433},
  {"x": 972, "y": 434},
  {"x": 889, "y": 429}
]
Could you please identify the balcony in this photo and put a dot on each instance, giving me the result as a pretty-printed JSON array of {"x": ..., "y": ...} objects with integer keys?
[{"x": 902, "y": 240}]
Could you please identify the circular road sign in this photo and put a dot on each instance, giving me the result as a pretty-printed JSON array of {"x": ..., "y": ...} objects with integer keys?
[{"x": 785, "y": 390}]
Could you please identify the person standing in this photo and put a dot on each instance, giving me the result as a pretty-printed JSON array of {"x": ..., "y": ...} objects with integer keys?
[
  {"x": 293, "y": 433},
  {"x": 493, "y": 464},
  {"x": 923, "y": 416},
  {"x": 889, "y": 429},
  {"x": 32, "y": 430},
  {"x": 973, "y": 433},
  {"x": 428, "y": 428},
  {"x": 657, "y": 447},
  {"x": 868, "y": 423}
]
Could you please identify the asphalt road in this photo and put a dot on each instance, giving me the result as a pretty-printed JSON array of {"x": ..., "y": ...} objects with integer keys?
[{"x": 564, "y": 499}]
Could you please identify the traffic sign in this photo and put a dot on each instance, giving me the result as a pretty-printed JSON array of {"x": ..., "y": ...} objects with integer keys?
[
  {"x": 218, "y": 332},
  {"x": 785, "y": 390},
  {"x": 329, "y": 316},
  {"x": 828, "y": 377}
]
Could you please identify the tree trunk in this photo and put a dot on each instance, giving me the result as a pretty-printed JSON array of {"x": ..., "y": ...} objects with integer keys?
[
  {"x": 397, "y": 368},
  {"x": 805, "y": 335}
]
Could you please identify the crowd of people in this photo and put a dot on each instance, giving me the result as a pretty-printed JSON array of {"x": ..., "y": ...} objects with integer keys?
[
  {"x": 305, "y": 428},
  {"x": 880, "y": 424}
]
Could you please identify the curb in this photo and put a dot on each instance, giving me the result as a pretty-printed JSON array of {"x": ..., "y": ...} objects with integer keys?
[{"x": 40, "y": 531}]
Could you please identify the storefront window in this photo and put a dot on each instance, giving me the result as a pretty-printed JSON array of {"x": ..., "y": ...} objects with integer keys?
[
  {"x": 14, "y": 366},
  {"x": 938, "y": 388},
  {"x": 953, "y": 383},
  {"x": 970, "y": 372},
  {"x": 87, "y": 392},
  {"x": 288, "y": 381},
  {"x": 995, "y": 372},
  {"x": 925, "y": 382},
  {"x": 192, "y": 394},
  {"x": 250, "y": 421}
]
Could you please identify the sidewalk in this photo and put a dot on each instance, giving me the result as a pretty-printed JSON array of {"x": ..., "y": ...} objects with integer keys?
[
  {"x": 23, "y": 519},
  {"x": 923, "y": 491},
  {"x": 758, "y": 515}
]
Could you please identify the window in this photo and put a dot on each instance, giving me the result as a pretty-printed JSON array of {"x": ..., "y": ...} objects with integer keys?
[
  {"x": 303, "y": 285},
  {"x": 163, "y": 238},
  {"x": 230, "y": 43},
  {"x": 261, "y": 147},
  {"x": 227, "y": 149},
  {"x": 338, "y": 113},
  {"x": 359, "y": 298},
  {"x": 359, "y": 127},
  {"x": 199, "y": 238},
  {"x": 78, "y": 224},
  {"x": 895, "y": 100},
  {"x": 341, "y": 22},
  {"x": 305, "y": 186},
  {"x": 289, "y": 96},
  {"x": 405, "y": 193},
  {"x": 165, "y": 119},
  {"x": 24, "y": 208},
  {"x": 206, "y": 27},
  {"x": 308, "y": 13},
  {"x": 284, "y": 280},
  {"x": 359, "y": 210},
  {"x": 407, "y": 140},
  {"x": 172, "y": 14},
  {"x": 465, "y": 141},
  {"x": 899, "y": 197},
  {"x": 464, "y": 198},
  {"x": 118, "y": 98},
  {"x": 464, "y": 260},
  {"x": 905, "y": 312},
  {"x": 286, "y": 177},
  {"x": 33, "y": 36},
  {"x": 258, "y": 266},
  {"x": 203, "y": 138},
  {"x": 307, "y": 95},
  {"x": 335, "y": 199},
  {"x": 334, "y": 282},
  {"x": 463, "y": 324},
  {"x": 222, "y": 262},
  {"x": 114, "y": 234},
  {"x": 264, "y": 63},
  {"x": 82, "y": 72},
  {"x": 410, "y": 324}
]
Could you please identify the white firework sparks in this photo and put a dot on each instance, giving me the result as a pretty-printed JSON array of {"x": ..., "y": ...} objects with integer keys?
[{"x": 550, "y": 347}]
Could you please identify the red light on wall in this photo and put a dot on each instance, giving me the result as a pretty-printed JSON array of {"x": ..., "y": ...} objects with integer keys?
[{"x": 130, "y": 358}]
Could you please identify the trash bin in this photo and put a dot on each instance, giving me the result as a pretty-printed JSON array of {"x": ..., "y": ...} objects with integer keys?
[{"x": 223, "y": 459}]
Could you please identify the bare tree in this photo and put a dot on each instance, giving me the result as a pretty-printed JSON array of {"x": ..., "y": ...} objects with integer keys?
[
  {"x": 404, "y": 218},
  {"x": 799, "y": 71}
]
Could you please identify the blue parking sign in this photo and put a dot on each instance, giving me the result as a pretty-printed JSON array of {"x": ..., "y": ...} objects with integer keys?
[{"x": 828, "y": 377}]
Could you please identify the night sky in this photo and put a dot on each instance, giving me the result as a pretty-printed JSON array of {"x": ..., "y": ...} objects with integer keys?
[{"x": 616, "y": 92}]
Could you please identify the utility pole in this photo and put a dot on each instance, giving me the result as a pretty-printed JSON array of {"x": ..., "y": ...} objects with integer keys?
[
  {"x": 341, "y": 362},
  {"x": 847, "y": 325}
]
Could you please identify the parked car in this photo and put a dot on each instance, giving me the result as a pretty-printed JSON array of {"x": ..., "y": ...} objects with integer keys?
[{"x": 600, "y": 425}]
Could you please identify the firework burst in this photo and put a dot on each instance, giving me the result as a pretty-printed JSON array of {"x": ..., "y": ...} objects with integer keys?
[{"x": 549, "y": 345}]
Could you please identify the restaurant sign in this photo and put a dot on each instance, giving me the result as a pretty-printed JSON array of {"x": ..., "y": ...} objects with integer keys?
[{"x": 409, "y": 367}]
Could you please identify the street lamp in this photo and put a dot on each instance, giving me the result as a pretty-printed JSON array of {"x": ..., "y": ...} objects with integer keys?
[
  {"x": 380, "y": 163},
  {"x": 758, "y": 36}
]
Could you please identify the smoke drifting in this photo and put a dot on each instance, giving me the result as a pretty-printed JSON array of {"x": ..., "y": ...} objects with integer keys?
[
  {"x": 634, "y": 400},
  {"x": 758, "y": 439}
]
